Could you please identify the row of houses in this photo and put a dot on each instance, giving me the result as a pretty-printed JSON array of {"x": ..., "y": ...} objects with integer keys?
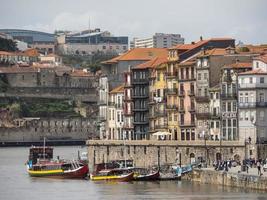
[{"x": 206, "y": 90}]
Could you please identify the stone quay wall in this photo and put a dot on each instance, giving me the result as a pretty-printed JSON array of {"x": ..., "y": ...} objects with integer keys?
[
  {"x": 146, "y": 153},
  {"x": 228, "y": 179}
]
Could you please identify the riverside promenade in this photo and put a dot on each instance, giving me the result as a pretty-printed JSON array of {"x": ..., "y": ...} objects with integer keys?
[{"x": 233, "y": 178}]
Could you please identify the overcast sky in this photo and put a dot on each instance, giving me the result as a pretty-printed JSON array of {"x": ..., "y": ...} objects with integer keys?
[{"x": 245, "y": 20}]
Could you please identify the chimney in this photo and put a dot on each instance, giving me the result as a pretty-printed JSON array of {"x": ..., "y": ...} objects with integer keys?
[
  {"x": 201, "y": 38},
  {"x": 192, "y": 42}
]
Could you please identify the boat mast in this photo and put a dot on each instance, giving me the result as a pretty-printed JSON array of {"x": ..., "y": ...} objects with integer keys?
[{"x": 44, "y": 149}]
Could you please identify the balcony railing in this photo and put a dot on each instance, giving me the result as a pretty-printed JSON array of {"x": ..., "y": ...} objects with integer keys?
[
  {"x": 202, "y": 115},
  {"x": 181, "y": 93},
  {"x": 100, "y": 103},
  {"x": 191, "y": 108},
  {"x": 128, "y": 126},
  {"x": 140, "y": 109},
  {"x": 252, "y": 104},
  {"x": 181, "y": 109},
  {"x": 160, "y": 113},
  {"x": 191, "y": 92},
  {"x": 140, "y": 95},
  {"x": 252, "y": 85},
  {"x": 186, "y": 123},
  {"x": 171, "y": 74},
  {"x": 111, "y": 103},
  {"x": 172, "y": 91},
  {"x": 200, "y": 98},
  {"x": 229, "y": 96},
  {"x": 172, "y": 107}
]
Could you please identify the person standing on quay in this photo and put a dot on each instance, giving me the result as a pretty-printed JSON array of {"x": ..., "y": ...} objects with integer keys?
[{"x": 259, "y": 167}]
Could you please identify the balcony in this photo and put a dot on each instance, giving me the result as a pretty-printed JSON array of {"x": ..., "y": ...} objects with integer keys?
[
  {"x": 181, "y": 93},
  {"x": 251, "y": 85},
  {"x": 227, "y": 79},
  {"x": 140, "y": 122},
  {"x": 181, "y": 109},
  {"x": 102, "y": 119},
  {"x": 102, "y": 103},
  {"x": 186, "y": 123},
  {"x": 191, "y": 108},
  {"x": 140, "y": 82},
  {"x": 215, "y": 115},
  {"x": 191, "y": 92},
  {"x": 202, "y": 115},
  {"x": 171, "y": 107},
  {"x": 139, "y": 109},
  {"x": 171, "y": 74},
  {"x": 252, "y": 104},
  {"x": 172, "y": 91},
  {"x": 135, "y": 96},
  {"x": 226, "y": 96},
  {"x": 111, "y": 103},
  {"x": 202, "y": 99},
  {"x": 128, "y": 126}
]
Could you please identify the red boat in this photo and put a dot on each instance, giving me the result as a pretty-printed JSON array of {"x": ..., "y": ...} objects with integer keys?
[{"x": 41, "y": 164}]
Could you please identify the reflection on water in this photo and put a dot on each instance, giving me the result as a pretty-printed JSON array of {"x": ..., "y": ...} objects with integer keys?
[{"x": 16, "y": 184}]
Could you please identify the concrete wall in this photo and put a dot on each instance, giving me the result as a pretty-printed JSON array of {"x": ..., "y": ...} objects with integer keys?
[{"x": 229, "y": 179}]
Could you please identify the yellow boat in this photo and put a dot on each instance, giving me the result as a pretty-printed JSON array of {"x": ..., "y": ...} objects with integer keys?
[{"x": 112, "y": 175}]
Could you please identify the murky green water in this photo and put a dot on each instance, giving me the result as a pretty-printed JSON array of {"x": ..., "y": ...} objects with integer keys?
[{"x": 16, "y": 184}]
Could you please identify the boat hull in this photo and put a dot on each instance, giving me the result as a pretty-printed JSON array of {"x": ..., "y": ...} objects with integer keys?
[
  {"x": 78, "y": 173},
  {"x": 120, "y": 178},
  {"x": 148, "y": 177}
]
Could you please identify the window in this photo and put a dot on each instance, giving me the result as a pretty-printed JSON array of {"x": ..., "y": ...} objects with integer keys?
[
  {"x": 192, "y": 134},
  {"x": 104, "y": 47},
  {"x": 170, "y": 117},
  {"x": 175, "y": 117},
  {"x": 217, "y": 95},
  {"x": 241, "y": 115},
  {"x": 199, "y": 76},
  {"x": 250, "y": 80},
  {"x": 187, "y": 134},
  {"x": 224, "y": 123},
  {"x": 182, "y": 134},
  {"x": 224, "y": 106},
  {"x": 261, "y": 97},
  {"x": 241, "y": 97},
  {"x": 217, "y": 124},
  {"x": 234, "y": 122},
  {"x": 229, "y": 123},
  {"x": 229, "y": 107},
  {"x": 234, "y": 106},
  {"x": 261, "y": 115},
  {"x": 212, "y": 124},
  {"x": 205, "y": 76},
  {"x": 257, "y": 64},
  {"x": 182, "y": 118},
  {"x": 261, "y": 79}
]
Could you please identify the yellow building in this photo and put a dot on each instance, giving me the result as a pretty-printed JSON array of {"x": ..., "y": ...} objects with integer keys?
[{"x": 157, "y": 97}]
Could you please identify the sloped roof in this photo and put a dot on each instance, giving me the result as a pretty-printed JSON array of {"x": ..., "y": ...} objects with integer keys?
[
  {"x": 139, "y": 54},
  {"x": 262, "y": 58},
  {"x": 239, "y": 65},
  {"x": 119, "y": 89},
  {"x": 254, "y": 72},
  {"x": 214, "y": 52},
  {"x": 152, "y": 63}
]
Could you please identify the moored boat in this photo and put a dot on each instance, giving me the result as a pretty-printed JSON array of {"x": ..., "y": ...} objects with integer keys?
[
  {"x": 41, "y": 164},
  {"x": 112, "y": 175},
  {"x": 152, "y": 176}
]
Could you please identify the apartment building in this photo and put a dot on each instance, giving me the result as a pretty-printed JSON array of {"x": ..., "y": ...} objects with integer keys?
[
  {"x": 208, "y": 72},
  {"x": 229, "y": 101},
  {"x": 252, "y": 98},
  {"x": 157, "y": 97},
  {"x": 158, "y": 40},
  {"x": 115, "y": 120}
]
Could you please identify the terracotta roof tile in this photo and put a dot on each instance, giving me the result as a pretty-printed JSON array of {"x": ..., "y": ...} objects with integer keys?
[
  {"x": 254, "y": 72},
  {"x": 262, "y": 58},
  {"x": 238, "y": 65},
  {"x": 119, "y": 89},
  {"x": 139, "y": 54},
  {"x": 152, "y": 63}
]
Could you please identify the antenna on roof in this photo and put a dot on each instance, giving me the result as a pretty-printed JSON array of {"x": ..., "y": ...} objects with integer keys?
[{"x": 89, "y": 24}]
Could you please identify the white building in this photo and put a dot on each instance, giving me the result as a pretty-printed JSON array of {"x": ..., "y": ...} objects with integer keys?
[
  {"x": 215, "y": 112},
  {"x": 252, "y": 97},
  {"x": 115, "y": 119},
  {"x": 159, "y": 40},
  {"x": 103, "y": 106}
]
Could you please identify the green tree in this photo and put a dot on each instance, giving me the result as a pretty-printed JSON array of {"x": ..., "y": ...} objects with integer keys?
[{"x": 7, "y": 45}]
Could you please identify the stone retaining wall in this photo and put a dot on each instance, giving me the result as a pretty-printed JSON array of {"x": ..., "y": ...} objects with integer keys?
[{"x": 228, "y": 179}]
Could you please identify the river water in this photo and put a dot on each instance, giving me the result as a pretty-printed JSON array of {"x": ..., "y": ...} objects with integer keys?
[{"x": 16, "y": 184}]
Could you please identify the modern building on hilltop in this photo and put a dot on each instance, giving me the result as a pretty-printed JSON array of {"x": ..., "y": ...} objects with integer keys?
[
  {"x": 90, "y": 42},
  {"x": 44, "y": 42},
  {"x": 159, "y": 40}
]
